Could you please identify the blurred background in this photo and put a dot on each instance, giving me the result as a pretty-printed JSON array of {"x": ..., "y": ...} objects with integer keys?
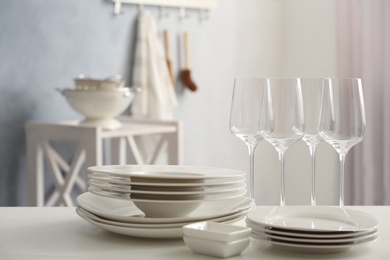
[{"x": 45, "y": 44}]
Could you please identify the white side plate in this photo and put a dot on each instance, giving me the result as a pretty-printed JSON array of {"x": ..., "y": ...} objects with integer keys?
[{"x": 312, "y": 219}]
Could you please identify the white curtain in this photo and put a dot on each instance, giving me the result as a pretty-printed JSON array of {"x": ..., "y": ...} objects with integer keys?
[{"x": 364, "y": 51}]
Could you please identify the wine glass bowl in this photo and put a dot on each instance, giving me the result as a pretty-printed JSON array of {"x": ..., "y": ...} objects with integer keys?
[{"x": 312, "y": 89}]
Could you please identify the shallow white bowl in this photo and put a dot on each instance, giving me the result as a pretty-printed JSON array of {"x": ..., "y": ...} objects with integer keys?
[
  {"x": 158, "y": 197},
  {"x": 100, "y": 107},
  {"x": 172, "y": 209},
  {"x": 216, "y": 248},
  {"x": 167, "y": 188},
  {"x": 216, "y": 231}
]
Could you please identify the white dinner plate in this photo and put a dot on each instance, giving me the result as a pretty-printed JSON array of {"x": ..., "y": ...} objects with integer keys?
[
  {"x": 205, "y": 191},
  {"x": 125, "y": 181},
  {"x": 206, "y": 197},
  {"x": 298, "y": 240},
  {"x": 312, "y": 218},
  {"x": 136, "y": 232},
  {"x": 126, "y": 211},
  {"x": 167, "y": 172},
  {"x": 235, "y": 216},
  {"x": 161, "y": 233},
  {"x": 316, "y": 249},
  {"x": 304, "y": 234}
]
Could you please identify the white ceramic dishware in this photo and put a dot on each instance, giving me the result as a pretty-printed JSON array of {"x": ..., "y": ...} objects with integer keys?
[
  {"x": 177, "y": 199},
  {"x": 87, "y": 83},
  {"x": 216, "y": 231},
  {"x": 312, "y": 229},
  {"x": 317, "y": 240},
  {"x": 162, "y": 233},
  {"x": 216, "y": 248},
  {"x": 312, "y": 219},
  {"x": 306, "y": 234},
  {"x": 189, "y": 191},
  {"x": 164, "y": 228},
  {"x": 156, "y": 209},
  {"x": 126, "y": 181},
  {"x": 100, "y": 107},
  {"x": 126, "y": 211},
  {"x": 224, "y": 219},
  {"x": 167, "y": 173},
  {"x": 316, "y": 248},
  {"x": 166, "y": 190}
]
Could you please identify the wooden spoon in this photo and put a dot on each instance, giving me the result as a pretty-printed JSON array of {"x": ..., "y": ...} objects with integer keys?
[
  {"x": 186, "y": 73},
  {"x": 169, "y": 61}
]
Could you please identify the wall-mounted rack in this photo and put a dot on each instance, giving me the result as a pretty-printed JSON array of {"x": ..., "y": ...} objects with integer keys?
[{"x": 188, "y": 4}]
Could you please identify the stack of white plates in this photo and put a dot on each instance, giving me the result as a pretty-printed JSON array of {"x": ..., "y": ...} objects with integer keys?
[
  {"x": 166, "y": 191},
  {"x": 156, "y": 201},
  {"x": 308, "y": 229},
  {"x": 123, "y": 217}
]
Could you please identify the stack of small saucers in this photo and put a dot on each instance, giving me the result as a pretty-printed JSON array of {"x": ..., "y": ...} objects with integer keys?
[
  {"x": 312, "y": 229},
  {"x": 156, "y": 201}
]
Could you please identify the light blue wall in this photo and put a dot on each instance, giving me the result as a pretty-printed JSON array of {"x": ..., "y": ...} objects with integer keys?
[{"x": 44, "y": 44}]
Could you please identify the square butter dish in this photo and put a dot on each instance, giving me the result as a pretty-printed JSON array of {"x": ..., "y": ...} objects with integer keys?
[
  {"x": 216, "y": 239},
  {"x": 216, "y": 231}
]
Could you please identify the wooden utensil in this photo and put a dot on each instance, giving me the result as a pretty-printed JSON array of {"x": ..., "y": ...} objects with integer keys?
[
  {"x": 168, "y": 57},
  {"x": 186, "y": 72}
]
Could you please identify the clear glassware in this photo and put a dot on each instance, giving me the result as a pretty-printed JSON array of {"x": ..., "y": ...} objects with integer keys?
[
  {"x": 312, "y": 89},
  {"x": 245, "y": 117},
  {"x": 343, "y": 121},
  {"x": 282, "y": 119}
]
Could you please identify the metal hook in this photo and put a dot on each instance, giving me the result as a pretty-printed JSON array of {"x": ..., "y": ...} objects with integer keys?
[
  {"x": 182, "y": 13},
  {"x": 141, "y": 8},
  {"x": 162, "y": 13},
  {"x": 202, "y": 14},
  {"x": 117, "y": 7}
]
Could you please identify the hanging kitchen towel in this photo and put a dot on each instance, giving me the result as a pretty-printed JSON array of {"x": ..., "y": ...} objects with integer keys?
[{"x": 150, "y": 72}]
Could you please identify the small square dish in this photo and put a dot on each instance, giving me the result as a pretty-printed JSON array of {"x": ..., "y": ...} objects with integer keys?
[
  {"x": 216, "y": 231},
  {"x": 216, "y": 248}
]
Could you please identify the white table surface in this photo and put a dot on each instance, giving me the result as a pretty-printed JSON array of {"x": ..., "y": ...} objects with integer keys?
[{"x": 59, "y": 233}]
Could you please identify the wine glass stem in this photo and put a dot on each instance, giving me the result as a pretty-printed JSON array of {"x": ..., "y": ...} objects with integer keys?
[
  {"x": 342, "y": 168},
  {"x": 251, "y": 149},
  {"x": 313, "y": 150},
  {"x": 282, "y": 186}
]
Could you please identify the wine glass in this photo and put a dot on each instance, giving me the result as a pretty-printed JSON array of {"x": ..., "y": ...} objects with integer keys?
[
  {"x": 282, "y": 119},
  {"x": 245, "y": 117},
  {"x": 343, "y": 122},
  {"x": 312, "y": 89}
]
